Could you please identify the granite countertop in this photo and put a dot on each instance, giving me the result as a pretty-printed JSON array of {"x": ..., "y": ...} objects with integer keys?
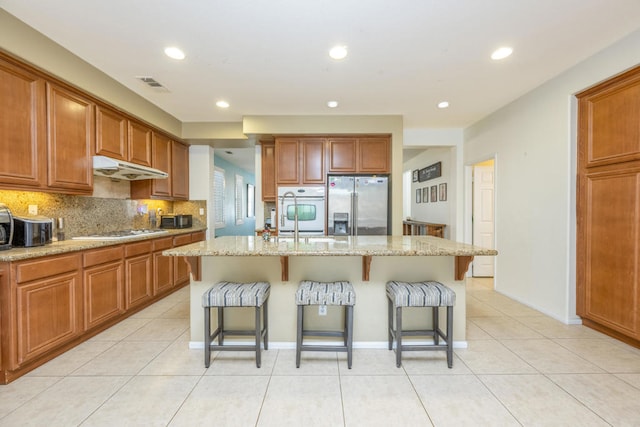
[
  {"x": 55, "y": 248},
  {"x": 329, "y": 246}
]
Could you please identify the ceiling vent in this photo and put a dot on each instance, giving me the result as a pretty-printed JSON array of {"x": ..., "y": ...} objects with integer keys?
[{"x": 152, "y": 83}]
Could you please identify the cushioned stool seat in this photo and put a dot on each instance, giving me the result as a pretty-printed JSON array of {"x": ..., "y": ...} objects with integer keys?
[
  {"x": 325, "y": 293},
  {"x": 420, "y": 294},
  {"x": 230, "y": 294}
]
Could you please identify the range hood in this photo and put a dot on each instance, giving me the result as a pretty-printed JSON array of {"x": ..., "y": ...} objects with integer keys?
[{"x": 119, "y": 169}]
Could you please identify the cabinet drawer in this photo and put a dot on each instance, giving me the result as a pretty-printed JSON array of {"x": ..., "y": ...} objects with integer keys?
[
  {"x": 139, "y": 248},
  {"x": 47, "y": 267},
  {"x": 182, "y": 240},
  {"x": 198, "y": 237},
  {"x": 162, "y": 244},
  {"x": 101, "y": 256}
]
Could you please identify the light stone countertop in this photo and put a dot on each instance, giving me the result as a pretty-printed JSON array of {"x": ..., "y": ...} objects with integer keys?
[
  {"x": 66, "y": 246},
  {"x": 329, "y": 246}
]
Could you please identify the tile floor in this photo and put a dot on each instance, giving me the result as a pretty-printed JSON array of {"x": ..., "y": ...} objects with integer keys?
[{"x": 520, "y": 368}]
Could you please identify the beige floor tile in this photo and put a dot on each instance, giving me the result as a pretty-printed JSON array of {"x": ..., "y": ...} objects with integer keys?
[
  {"x": 550, "y": 357},
  {"x": 311, "y": 363},
  {"x": 535, "y": 400},
  {"x": 241, "y": 363},
  {"x": 22, "y": 390},
  {"x": 73, "y": 359},
  {"x": 223, "y": 401},
  {"x": 552, "y": 328},
  {"x": 515, "y": 309},
  {"x": 504, "y": 328},
  {"x": 121, "y": 330},
  {"x": 613, "y": 399},
  {"x": 178, "y": 311},
  {"x": 633, "y": 379},
  {"x": 124, "y": 358},
  {"x": 476, "y": 333},
  {"x": 163, "y": 396},
  {"x": 381, "y": 401},
  {"x": 491, "y": 357},
  {"x": 476, "y": 308},
  {"x": 302, "y": 401},
  {"x": 460, "y": 400},
  {"x": 370, "y": 362},
  {"x": 67, "y": 403},
  {"x": 431, "y": 362},
  {"x": 154, "y": 311},
  {"x": 160, "y": 330},
  {"x": 177, "y": 359},
  {"x": 604, "y": 353}
]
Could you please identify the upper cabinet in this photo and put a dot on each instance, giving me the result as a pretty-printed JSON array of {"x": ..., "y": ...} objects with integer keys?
[
  {"x": 268, "y": 171},
  {"x": 22, "y": 128},
  {"x": 300, "y": 161},
  {"x": 70, "y": 140},
  {"x": 179, "y": 170},
  {"x": 360, "y": 155},
  {"x": 121, "y": 138}
]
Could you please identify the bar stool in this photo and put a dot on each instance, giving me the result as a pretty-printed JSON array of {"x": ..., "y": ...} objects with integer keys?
[
  {"x": 420, "y": 294},
  {"x": 325, "y": 293},
  {"x": 229, "y": 294}
]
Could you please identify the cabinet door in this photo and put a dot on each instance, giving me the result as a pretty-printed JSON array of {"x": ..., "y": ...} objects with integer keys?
[
  {"x": 179, "y": 174},
  {"x": 49, "y": 314},
  {"x": 287, "y": 161},
  {"x": 180, "y": 267},
  {"x": 103, "y": 289},
  {"x": 161, "y": 155},
  {"x": 70, "y": 141},
  {"x": 342, "y": 155},
  {"x": 111, "y": 134},
  {"x": 374, "y": 155},
  {"x": 313, "y": 170},
  {"x": 139, "y": 143},
  {"x": 138, "y": 282},
  {"x": 268, "y": 172},
  {"x": 22, "y": 128},
  {"x": 162, "y": 266}
]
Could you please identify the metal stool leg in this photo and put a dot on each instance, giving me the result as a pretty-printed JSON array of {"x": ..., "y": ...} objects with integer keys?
[
  {"x": 257, "y": 335},
  {"x": 436, "y": 326},
  {"x": 299, "y": 334},
  {"x": 265, "y": 324},
  {"x": 207, "y": 336},
  {"x": 349, "y": 338},
  {"x": 398, "y": 336},
  {"x": 221, "y": 325},
  {"x": 450, "y": 336},
  {"x": 390, "y": 321}
]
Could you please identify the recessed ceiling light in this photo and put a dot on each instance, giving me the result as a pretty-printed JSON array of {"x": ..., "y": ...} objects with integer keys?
[
  {"x": 338, "y": 52},
  {"x": 501, "y": 53},
  {"x": 222, "y": 104},
  {"x": 443, "y": 104},
  {"x": 174, "y": 52},
  {"x": 332, "y": 104}
]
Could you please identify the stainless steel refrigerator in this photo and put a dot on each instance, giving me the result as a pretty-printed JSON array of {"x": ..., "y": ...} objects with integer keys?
[{"x": 357, "y": 205}]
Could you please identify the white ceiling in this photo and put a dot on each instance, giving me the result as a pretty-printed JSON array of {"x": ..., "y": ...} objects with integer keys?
[{"x": 270, "y": 57}]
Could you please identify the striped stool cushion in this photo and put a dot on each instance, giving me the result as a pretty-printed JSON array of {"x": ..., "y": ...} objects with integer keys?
[
  {"x": 420, "y": 294},
  {"x": 325, "y": 293},
  {"x": 229, "y": 294}
]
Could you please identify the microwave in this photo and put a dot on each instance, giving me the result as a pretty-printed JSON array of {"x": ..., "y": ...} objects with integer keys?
[
  {"x": 176, "y": 221},
  {"x": 32, "y": 231}
]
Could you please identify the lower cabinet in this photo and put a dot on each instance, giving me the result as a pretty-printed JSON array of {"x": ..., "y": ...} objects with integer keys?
[
  {"x": 138, "y": 274},
  {"x": 103, "y": 285},
  {"x": 162, "y": 266}
]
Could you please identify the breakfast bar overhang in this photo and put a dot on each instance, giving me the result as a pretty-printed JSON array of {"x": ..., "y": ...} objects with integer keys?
[{"x": 367, "y": 261}]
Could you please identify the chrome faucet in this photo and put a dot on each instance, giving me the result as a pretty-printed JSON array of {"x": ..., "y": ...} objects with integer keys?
[{"x": 295, "y": 214}]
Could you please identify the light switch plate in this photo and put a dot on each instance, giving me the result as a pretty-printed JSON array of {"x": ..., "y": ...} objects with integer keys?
[
  {"x": 322, "y": 310},
  {"x": 201, "y": 211}
]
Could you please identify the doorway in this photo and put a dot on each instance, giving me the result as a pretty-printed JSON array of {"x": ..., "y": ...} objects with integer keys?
[{"x": 483, "y": 216}]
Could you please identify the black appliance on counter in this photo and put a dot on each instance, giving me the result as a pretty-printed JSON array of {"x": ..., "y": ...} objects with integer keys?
[
  {"x": 176, "y": 221},
  {"x": 6, "y": 227},
  {"x": 32, "y": 231}
]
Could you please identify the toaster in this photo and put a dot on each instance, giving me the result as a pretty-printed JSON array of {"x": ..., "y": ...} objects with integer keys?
[
  {"x": 32, "y": 231},
  {"x": 176, "y": 221}
]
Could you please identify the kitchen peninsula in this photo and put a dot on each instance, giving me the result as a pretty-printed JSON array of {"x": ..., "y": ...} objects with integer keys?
[{"x": 367, "y": 261}]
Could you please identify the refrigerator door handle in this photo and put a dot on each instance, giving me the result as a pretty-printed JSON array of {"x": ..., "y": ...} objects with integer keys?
[{"x": 354, "y": 210}]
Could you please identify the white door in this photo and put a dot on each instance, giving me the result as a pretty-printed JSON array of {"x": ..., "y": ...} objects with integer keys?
[{"x": 483, "y": 218}]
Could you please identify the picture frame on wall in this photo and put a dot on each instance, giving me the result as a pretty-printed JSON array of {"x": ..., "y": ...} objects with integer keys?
[
  {"x": 434, "y": 193},
  {"x": 415, "y": 175},
  {"x": 425, "y": 194},
  {"x": 418, "y": 196},
  {"x": 443, "y": 192}
]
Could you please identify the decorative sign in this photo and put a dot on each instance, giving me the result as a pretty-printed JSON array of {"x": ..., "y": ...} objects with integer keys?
[{"x": 430, "y": 172}]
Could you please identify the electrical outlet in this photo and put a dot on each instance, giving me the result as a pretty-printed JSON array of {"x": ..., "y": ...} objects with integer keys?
[
  {"x": 201, "y": 211},
  {"x": 322, "y": 310},
  {"x": 33, "y": 209}
]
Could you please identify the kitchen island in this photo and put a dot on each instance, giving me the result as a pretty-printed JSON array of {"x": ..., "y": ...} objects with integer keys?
[{"x": 367, "y": 261}]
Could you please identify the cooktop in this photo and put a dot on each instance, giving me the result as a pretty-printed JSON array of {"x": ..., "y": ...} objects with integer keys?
[{"x": 121, "y": 234}]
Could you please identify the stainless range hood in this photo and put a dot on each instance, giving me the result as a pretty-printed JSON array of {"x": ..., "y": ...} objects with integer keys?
[{"x": 119, "y": 169}]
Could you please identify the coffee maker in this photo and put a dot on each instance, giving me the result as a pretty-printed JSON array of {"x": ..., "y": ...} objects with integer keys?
[{"x": 6, "y": 227}]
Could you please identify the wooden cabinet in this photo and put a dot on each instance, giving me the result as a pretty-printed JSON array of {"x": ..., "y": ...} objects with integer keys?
[
  {"x": 103, "y": 285},
  {"x": 173, "y": 158},
  {"x": 121, "y": 138},
  {"x": 138, "y": 274},
  {"x": 70, "y": 140},
  {"x": 180, "y": 267},
  {"x": 608, "y": 249},
  {"x": 300, "y": 161},
  {"x": 360, "y": 155},
  {"x": 162, "y": 266},
  {"x": 22, "y": 128},
  {"x": 48, "y": 305},
  {"x": 268, "y": 150}
]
